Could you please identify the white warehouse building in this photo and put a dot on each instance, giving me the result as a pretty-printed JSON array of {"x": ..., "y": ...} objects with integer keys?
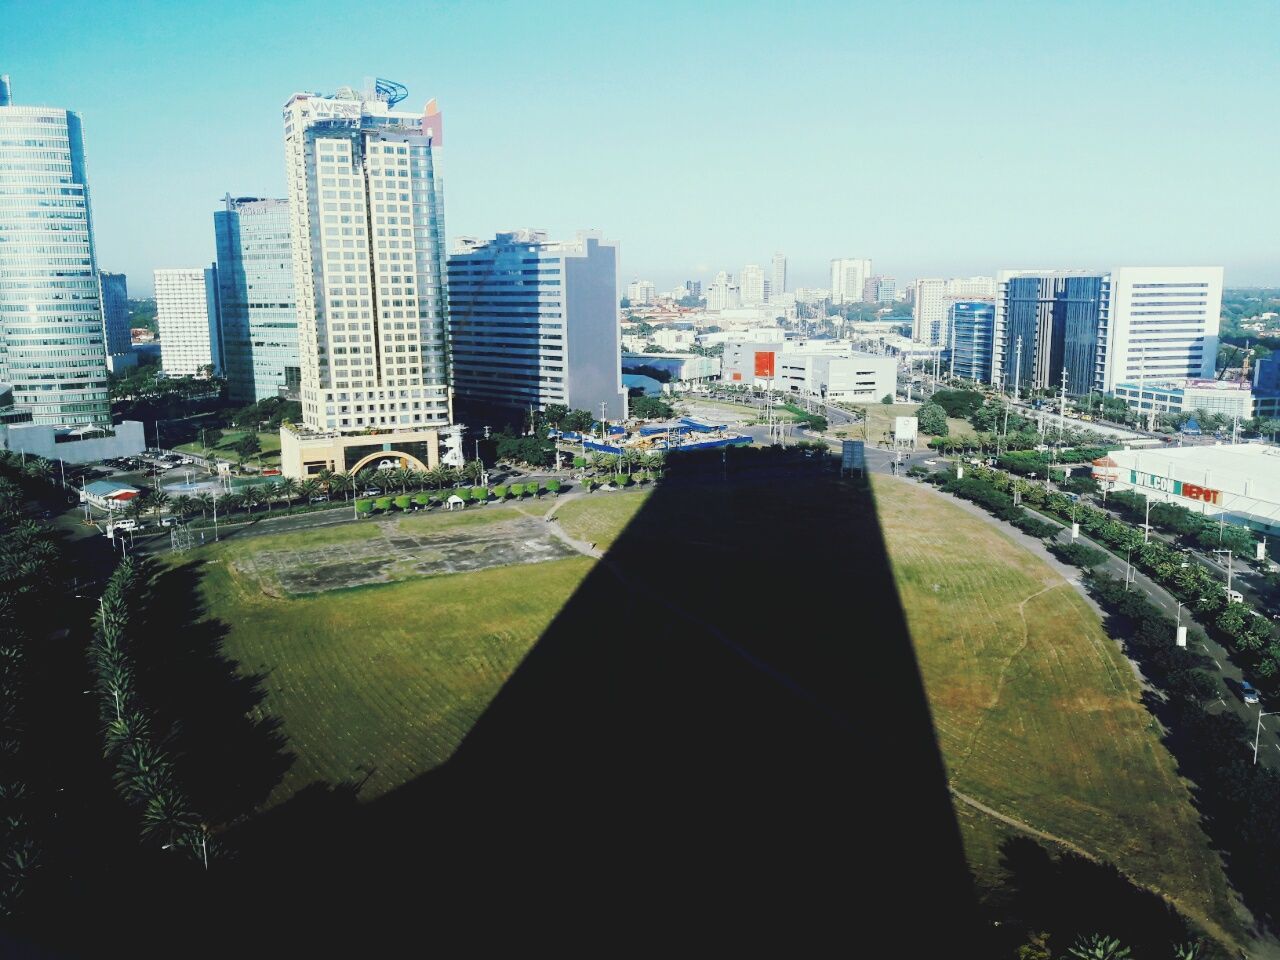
[
  {"x": 1240, "y": 482},
  {"x": 805, "y": 368}
]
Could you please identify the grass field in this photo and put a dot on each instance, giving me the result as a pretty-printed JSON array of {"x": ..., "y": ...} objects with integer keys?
[
  {"x": 381, "y": 682},
  {"x": 270, "y": 441},
  {"x": 1036, "y": 711},
  {"x": 599, "y": 518}
]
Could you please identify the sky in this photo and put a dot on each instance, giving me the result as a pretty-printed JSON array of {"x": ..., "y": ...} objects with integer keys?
[{"x": 935, "y": 138}]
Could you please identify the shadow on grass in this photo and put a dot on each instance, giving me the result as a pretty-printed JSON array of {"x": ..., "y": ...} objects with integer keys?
[{"x": 721, "y": 738}]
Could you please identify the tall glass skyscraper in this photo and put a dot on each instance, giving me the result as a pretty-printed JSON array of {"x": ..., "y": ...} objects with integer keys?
[
  {"x": 972, "y": 324},
  {"x": 115, "y": 312},
  {"x": 1050, "y": 322},
  {"x": 52, "y": 346},
  {"x": 259, "y": 316}
]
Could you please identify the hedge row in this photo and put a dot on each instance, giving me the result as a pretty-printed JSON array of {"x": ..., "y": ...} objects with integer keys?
[{"x": 368, "y": 505}]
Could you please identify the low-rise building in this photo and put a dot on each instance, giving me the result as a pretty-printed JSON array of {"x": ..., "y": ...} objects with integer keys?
[
  {"x": 108, "y": 495},
  {"x": 1240, "y": 482},
  {"x": 857, "y": 378},
  {"x": 1229, "y": 398}
]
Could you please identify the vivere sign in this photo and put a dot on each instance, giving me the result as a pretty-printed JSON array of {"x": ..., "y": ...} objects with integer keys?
[{"x": 1176, "y": 487}]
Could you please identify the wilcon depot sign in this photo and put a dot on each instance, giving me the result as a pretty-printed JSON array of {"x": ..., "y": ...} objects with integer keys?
[{"x": 1176, "y": 487}]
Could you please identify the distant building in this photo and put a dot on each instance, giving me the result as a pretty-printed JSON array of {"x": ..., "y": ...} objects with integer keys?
[
  {"x": 641, "y": 291},
  {"x": 1187, "y": 396},
  {"x": 534, "y": 322},
  {"x": 849, "y": 279},
  {"x": 683, "y": 368},
  {"x": 972, "y": 325},
  {"x": 187, "y": 320},
  {"x": 879, "y": 290},
  {"x": 778, "y": 282},
  {"x": 258, "y": 313},
  {"x": 724, "y": 293},
  {"x": 854, "y": 377},
  {"x": 929, "y": 312},
  {"x": 115, "y": 322},
  {"x": 693, "y": 288},
  {"x": 752, "y": 285}
]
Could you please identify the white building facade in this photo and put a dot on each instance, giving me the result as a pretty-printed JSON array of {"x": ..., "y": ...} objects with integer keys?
[
  {"x": 929, "y": 313},
  {"x": 187, "y": 320},
  {"x": 52, "y": 348},
  {"x": 752, "y": 285},
  {"x": 778, "y": 283},
  {"x": 723, "y": 293},
  {"x": 849, "y": 279}
]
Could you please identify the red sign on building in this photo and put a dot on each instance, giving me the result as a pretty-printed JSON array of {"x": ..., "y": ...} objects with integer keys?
[{"x": 764, "y": 363}]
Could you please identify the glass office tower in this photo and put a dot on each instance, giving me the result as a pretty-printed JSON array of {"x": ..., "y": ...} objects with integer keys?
[
  {"x": 52, "y": 346},
  {"x": 1050, "y": 322},
  {"x": 972, "y": 325},
  {"x": 259, "y": 317}
]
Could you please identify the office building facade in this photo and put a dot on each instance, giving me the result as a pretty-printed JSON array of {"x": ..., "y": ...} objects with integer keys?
[
  {"x": 752, "y": 285},
  {"x": 848, "y": 279},
  {"x": 52, "y": 337},
  {"x": 778, "y": 282},
  {"x": 1162, "y": 324},
  {"x": 187, "y": 321},
  {"x": 972, "y": 325},
  {"x": 258, "y": 315},
  {"x": 115, "y": 312},
  {"x": 724, "y": 293},
  {"x": 533, "y": 322},
  {"x": 1048, "y": 322},
  {"x": 366, "y": 210},
  {"x": 641, "y": 292},
  {"x": 929, "y": 312}
]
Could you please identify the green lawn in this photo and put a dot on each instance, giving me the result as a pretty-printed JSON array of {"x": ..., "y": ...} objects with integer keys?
[
  {"x": 599, "y": 517},
  {"x": 269, "y": 440},
  {"x": 386, "y": 678},
  {"x": 1037, "y": 712}
]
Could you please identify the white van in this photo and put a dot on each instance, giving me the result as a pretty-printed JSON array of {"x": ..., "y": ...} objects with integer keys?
[
  {"x": 1235, "y": 596},
  {"x": 125, "y": 524}
]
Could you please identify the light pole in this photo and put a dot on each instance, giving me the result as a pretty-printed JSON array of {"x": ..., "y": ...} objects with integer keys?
[
  {"x": 1179, "y": 631},
  {"x": 1146, "y": 526},
  {"x": 1230, "y": 556},
  {"x": 1258, "y": 735}
]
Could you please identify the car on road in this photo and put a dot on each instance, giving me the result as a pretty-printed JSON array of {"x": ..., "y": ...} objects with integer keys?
[
  {"x": 1248, "y": 693},
  {"x": 931, "y": 463}
]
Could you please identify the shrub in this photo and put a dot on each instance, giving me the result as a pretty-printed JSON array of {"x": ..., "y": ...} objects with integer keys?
[
  {"x": 403, "y": 501},
  {"x": 364, "y": 506},
  {"x": 553, "y": 486},
  {"x": 479, "y": 494},
  {"x": 500, "y": 492},
  {"x": 1079, "y": 554},
  {"x": 517, "y": 490},
  {"x": 533, "y": 489},
  {"x": 579, "y": 462},
  {"x": 621, "y": 480},
  {"x": 382, "y": 504},
  {"x": 422, "y": 499}
]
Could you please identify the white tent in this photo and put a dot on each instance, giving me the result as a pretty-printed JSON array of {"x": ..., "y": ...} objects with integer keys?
[{"x": 455, "y": 501}]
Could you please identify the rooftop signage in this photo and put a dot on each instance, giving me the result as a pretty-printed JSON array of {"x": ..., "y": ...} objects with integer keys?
[{"x": 1190, "y": 491}]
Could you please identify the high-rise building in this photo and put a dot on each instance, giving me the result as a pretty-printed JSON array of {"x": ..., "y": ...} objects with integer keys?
[
  {"x": 886, "y": 289},
  {"x": 258, "y": 314},
  {"x": 972, "y": 324},
  {"x": 533, "y": 322},
  {"x": 848, "y": 279},
  {"x": 366, "y": 211},
  {"x": 641, "y": 292},
  {"x": 115, "y": 321},
  {"x": 929, "y": 312},
  {"x": 187, "y": 321},
  {"x": 723, "y": 294},
  {"x": 693, "y": 288},
  {"x": 52, "y": 348},
  {"x": 971, "y": 288},
  {"x": 1047, "y": 322},
  {"x": 751, "y": 284},
  {"x": 1163, "y": 324},
  {"x": 778, "y": 283}
]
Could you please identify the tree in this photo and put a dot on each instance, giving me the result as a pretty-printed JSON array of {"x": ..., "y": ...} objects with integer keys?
[
  {"x": 473, "y": 470},
  {"x": 1097, "y": 947},
  {"x": 212, "y": 437},
  {"x": 250, "y": 496},
  {"x": 556, "y": 414},
  {"x": 933, "y": 420},
  {"x": 205, "y": 502},
  {"x": 288, "y": 489},
  {"x": 158, "y": 501},
  {"x": 340, "y": 483},
  {"x": 270, "y": 494},
  {"x": 579, "y": 421},
  {"x": 1036, "y": 947},
  {"x": 651, "y": 408},
  {"x": 308, "y": 489},
  {"x": 247, "y": 446},
  {"x": 887, "y": 399}
]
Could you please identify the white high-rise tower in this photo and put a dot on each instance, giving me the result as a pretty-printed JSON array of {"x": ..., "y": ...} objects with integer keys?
[
  {"x": 779, "y": 285},
  {"x": 367, "y": 227}
]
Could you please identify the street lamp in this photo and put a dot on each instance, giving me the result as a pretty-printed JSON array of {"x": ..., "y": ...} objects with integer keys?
[
  {"x": 1230, "y": 556},
  {"x": 1258, "y": 735}
]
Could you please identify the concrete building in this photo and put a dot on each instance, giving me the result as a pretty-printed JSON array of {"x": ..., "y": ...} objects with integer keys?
[
  {"x": 971, "y": 288},
  {"x": 778, "y": 282},
  {"x": 929, "y": 312},
  {"x": 1163, "y": 324},
  {"x": 258, "y": 315},
  {"x": 693, "y": 288},
  {"x": 848, "y": 279},
  {"x": 367, "y": 232},
  {"x": 680, "y": 369},
  {"x": 115, "y": 321},
  {"x": 641, "y": 292},
  {"x": 1186, "y": 396},
  {"x": 879, "y": 289},
  {"x": 855, "y": 377},
  {"x": 972, "y": 324},
  {"x": 533, "y": 322},
  {"x": 52, "y": 349},
  {"x": 724, "y": 293},
  {"x": 1239, "y": 482},
  {"x": 752, "y": 285},
  {"x": 187, "y": 319}
]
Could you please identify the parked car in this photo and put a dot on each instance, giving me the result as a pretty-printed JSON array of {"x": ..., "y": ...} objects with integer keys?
[
  {"x": 1248, "y": 692},
  {"x": 1235, "y": 596}
]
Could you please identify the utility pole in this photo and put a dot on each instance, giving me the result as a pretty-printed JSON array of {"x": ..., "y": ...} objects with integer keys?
[{"x": 1062, "y": 407}]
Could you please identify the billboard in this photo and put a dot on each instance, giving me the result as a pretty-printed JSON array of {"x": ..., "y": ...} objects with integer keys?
[
  {"x": 764, "y": 363},
  {"x": 852, "y": 455},
  {"x": 904, "y": 429}
]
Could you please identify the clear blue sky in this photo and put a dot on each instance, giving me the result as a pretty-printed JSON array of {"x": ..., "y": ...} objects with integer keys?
[{"x": 936, "y": 138}]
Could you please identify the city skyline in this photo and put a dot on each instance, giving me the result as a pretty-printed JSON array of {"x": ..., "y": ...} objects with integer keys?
[{"x": 923, "y": 202}]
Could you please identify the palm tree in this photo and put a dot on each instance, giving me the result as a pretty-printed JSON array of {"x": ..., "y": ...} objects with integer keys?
[
  {"x": 435, "y": 476},
  {"x": 38, "y": 468},
  {"x": 288, "y": 489},
  {"x": 251, "y": 496},
  {"x": 205, "y": 502},
  {"x": 324, "y": 477},
  {"x": 654, "y": 462},
  {"x": 473, "y": 470},
  {"x": 340, "y": 483},
  {"x": 1098, "y": 947},
  {"x": 597, "y": 462},
  {"x": 419, "y": 479},
  {"x": 308, "y": 489},
  {"x": 366, "y": 479},
  {"x": 184, "y": 506},
  {"x": 167, "y": 815},
  {"x": 270, "y": 493},
  {"x": 158, "y": 500},
  {"x": 136, "y": 507},
  {"x": 629, "y": 459}
]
